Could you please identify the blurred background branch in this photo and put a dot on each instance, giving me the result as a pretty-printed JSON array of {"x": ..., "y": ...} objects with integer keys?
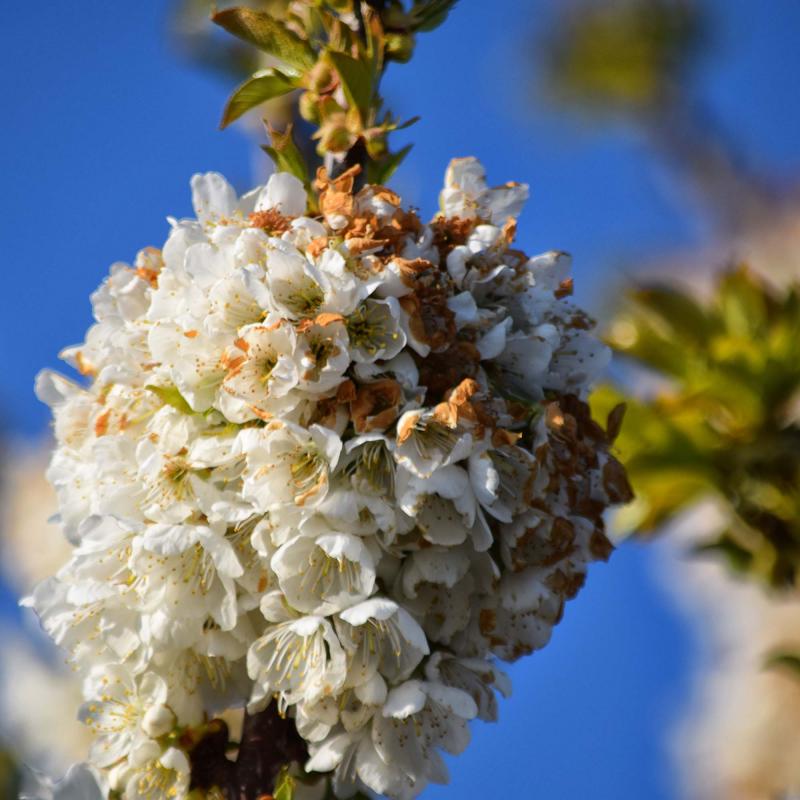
[{"x": 636, "y": 60}]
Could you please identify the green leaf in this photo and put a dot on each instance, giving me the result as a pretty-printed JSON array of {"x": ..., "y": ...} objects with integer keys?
[
  {"x": 743, "y": 303},
  {"x": 286, "y": 154},
  {"x": 401, "y": 126},
  {"x": 380, "y": 171},
  {"x": 356, "y": 79},
  {"x": 169, "y": 395},
  {"x": 268, "y": 34},
  {"x": 790, "y": 661},
  {"x": 677, "y": 309},
  {"x": 739, "y": 558},
  {"x": 284, "y": 786},
  {"x": 257, "y": 89},
  {"x": 431, "y": 14}
]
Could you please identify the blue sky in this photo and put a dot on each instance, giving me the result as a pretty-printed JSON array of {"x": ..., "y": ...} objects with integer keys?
[{"x": 104, "y": 127}]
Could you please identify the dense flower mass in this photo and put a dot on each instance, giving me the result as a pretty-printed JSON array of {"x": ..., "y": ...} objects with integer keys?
[{"x": 328, "y": 457}]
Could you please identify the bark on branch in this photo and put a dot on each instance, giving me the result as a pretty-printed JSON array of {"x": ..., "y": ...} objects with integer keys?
[{"x": 269, "y": 742}]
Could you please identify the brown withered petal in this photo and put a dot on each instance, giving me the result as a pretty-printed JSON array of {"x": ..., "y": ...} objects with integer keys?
[
  {"x": 317, "y": 246},
  {"x": 440, "y": 371},
  {"x": 614, "y": 422},
  {"x": 565, "y": 288},
  {"x": 376, "y": 405},
  {"x": 449, "y": 233},
  {"x": 430, "y": 319},
  {"x": 346, "y": 392},
  {"x": 456, "y": 406},
  {"x": 270, "y": 220},
  {"x": 509, "y": 231},
  {"x": 336, "y": 196},
  {"x": 412, "y": 269},
  {"x": 501, "y": 437},
  {"x": 615, "y": 482},
  {"x": 362, "y": 244},
  {"x": 323, "y": 320}
]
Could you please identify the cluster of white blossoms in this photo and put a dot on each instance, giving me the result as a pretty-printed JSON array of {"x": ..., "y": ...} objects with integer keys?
[{"x": 328, "y": 457}]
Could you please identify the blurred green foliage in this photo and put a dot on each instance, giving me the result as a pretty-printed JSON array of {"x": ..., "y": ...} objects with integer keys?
[
  {"x": 723, "y": 418},
  {"x": 621, "y": 55},
  {"x": 9, "y": 776}
]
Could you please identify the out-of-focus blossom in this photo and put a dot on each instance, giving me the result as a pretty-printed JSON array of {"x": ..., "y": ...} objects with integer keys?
[
  {"x": 31, "y": 547},
  {"x": 79, "y": 783},
  {"x": 39, "y": 697},
  {"x": 739, "y": 737},
  {"x": 38, "y": 693}
]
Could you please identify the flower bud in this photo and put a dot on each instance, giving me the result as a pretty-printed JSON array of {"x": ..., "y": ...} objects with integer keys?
[
  {"x": 399, "y": 47},
  {"x": 158, "y": 721},
  {"x": 321, "y": 78},
  {"x": 308, "y": 106},
  {"x": 336, "y": 139},
  {"x": 376, "y": 145},
  {"x": 395, "y": 16}
]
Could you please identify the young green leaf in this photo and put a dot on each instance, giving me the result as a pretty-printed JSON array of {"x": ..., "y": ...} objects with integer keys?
[
  {"x": 356, "y": 80},
  {"x": 284, "y": 786},
  {"x": 268, "y": 34},
  {"x": 169, "y": 395},
  {"x": 790, "y": 661},
  {"x": 286, "y": 155},
  {"x": 430, "y": 14},
  {"x": 677, "y": 309},
  {"x": 258, "y": 89},
  {"x": 738, "y": 558},
  {"x": 380, "y": 171}
]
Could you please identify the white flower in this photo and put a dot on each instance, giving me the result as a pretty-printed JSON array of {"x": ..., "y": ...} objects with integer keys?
[
  {"x": 319, "y": 451},
  {"x": 500, "y": 478},
  {"x": 374, "y": 331},
  {"x": 324, "y": 574},
  {"x": 466, "y": 194},
  {"x": 444, "y": 509},
  {"x": 295, "y": 285},
  {"x": 287, "y": 464},
  {"x": 299, "y": 659},
  {"x": 400, "y": 755},
  {"x": 519, "y": 619},
  {"x": 213, "y": 197},
  {"x": 191, "y": 359},
  {"x": 323, "y": 352},
  {"x": 190, "y": 567},
  {"x": 437, "y": 585},
  {"x": 478, "y": 677},
  {"x": 262, "y": 369},
  {"x": 284, "y": 193},
  {"x": 380, "y": 637},
  {"x": 426, "y": 442},
  {"x": 418, "y": 719},
  {"x": 157, "y": 775},
  {"x": 120, "y": 711}
]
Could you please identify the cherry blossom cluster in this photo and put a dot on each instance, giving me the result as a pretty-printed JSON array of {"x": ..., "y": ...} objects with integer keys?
[{"x": 327, "y": 457}]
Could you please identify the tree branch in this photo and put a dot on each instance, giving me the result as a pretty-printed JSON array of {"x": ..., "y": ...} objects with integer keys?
[{"x": 269, "y": 743}]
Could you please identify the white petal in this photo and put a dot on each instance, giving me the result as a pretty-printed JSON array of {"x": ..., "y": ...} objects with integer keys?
[
  {"x": 285, "y": 193},
  {"x": 405, "y": 700},
  {"x": 212, "y": 196}
]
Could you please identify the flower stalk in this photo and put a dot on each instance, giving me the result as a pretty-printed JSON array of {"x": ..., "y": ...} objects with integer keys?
[
  {"x": 333, "y": 56},
  {"x": 268, "y": 744}
]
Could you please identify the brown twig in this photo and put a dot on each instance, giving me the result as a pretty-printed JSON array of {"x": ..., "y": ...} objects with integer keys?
[{"x": 269, "y": 743}]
